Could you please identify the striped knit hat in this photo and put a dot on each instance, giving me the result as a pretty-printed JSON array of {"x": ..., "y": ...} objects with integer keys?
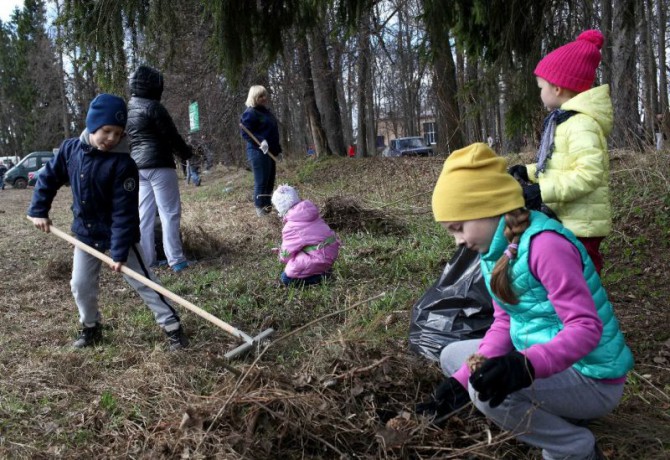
[{"x": 573, "y": 66}]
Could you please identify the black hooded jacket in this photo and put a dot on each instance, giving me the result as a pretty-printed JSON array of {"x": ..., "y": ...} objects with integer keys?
[{"x": 153, "y": 135}]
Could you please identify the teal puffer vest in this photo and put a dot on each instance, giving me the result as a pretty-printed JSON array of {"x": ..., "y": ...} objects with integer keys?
[{"x": 534, "y": 320}]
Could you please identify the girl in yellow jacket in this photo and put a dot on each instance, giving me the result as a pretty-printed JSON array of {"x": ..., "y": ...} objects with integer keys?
[{"x": 571, "y": 174}]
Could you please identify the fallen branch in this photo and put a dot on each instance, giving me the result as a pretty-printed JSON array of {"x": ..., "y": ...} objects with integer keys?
[{"x": 360, "y": 370}]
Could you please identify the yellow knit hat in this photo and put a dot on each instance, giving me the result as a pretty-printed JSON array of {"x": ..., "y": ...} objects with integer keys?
[{"x": 474, "y": 184}]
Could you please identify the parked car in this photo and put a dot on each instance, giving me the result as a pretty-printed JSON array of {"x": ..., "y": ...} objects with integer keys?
[
  {"x": 407, "y": 146},
  {"x": 6, "y": 159},
  {"x": 17, "y": 177}
]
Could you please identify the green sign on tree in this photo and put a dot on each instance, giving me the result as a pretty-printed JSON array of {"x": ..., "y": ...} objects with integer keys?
[{"x": 194, "y": 116}]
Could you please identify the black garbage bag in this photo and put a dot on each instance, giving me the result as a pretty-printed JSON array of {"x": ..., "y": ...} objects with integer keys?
[{"x": 457, "y": 307}]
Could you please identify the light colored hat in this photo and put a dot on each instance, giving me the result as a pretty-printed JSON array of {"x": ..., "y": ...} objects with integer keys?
[
  {"x": 284, "y": 198},
  {"x": 474, "y": 184}
]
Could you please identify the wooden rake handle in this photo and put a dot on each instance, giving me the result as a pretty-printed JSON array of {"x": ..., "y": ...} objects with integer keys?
[
  {"x": 255, "y": 139},
  {"x": 155, "y": 286}
]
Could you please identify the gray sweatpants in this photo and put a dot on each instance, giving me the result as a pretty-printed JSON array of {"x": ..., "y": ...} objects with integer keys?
[
  {"x": 85, "y": 286},
  {"x": 551, "y": 413},
  {"x": 159, "y": 189}
]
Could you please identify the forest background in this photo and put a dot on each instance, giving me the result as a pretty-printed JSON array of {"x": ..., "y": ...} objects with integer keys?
[{"x": 336, "y": 69}]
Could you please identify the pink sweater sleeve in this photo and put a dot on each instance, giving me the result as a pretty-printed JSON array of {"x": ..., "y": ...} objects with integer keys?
[{"x": 557, "y": 264}]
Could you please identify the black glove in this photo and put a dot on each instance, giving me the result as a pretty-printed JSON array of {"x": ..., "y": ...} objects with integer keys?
[
  {"x": 519, "y": 172},
  {"x": 498, "y": 377},
  {"x": 447, "y": 397},
  {"x": 532, "y": 196}
]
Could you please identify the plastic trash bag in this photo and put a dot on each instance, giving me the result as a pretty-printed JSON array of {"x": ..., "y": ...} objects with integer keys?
[{"x": 457, "y": 307}]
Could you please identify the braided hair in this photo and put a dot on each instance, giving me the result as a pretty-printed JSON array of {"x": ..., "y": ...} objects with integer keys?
[{"x": 516, "y": 222}]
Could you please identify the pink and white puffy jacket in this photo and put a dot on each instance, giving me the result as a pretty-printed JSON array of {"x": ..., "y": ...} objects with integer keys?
[{"x": 309, "y": 247}]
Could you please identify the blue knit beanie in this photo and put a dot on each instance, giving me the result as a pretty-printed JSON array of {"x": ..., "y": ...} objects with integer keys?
[{"x": 106, "y": 109}]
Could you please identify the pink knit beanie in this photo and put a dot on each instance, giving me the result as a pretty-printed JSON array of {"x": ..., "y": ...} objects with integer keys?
[{"x": 573, "y": 66}]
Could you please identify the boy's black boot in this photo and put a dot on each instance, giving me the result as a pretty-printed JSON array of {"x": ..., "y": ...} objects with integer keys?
[
  {"x": 176, "y": 339},
  {"x": 89, "y": 336}
]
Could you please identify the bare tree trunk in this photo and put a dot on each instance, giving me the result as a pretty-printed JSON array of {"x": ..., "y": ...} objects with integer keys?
[
  {"x": 624, "y": 87},
  {"x": 474, "y": 102},
  {"x": 450, "y": 133},
  {"x": 461, "y": 97},
  {"x": 345, "y": 112},
  {"x": 313, "y": 115},
  {"x": 606, "y": 52},
  {"x": 326, "y": 92},
  {"x": 363, "y": 76},
  {"x": 648, "y": 66},
  {"x": 65, "y": 113},
  {"x": 497, "y": 138},
  {"x": 371, "y": 125},
  {"x": 661, "y": 17}
]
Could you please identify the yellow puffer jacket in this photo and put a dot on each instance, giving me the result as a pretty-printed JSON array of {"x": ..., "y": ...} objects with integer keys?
[{"x": 575, "y": 182}]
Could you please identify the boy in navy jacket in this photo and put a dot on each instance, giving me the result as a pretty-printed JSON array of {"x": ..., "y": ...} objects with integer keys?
[{"x": 104, "y": 183}]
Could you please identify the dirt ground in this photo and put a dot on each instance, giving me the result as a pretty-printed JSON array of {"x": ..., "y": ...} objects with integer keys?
[{"x": 131, "y": 399}]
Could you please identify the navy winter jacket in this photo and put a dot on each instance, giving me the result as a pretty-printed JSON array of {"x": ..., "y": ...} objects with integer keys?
[
  {"x": 104, "y": 194},
  {"x": 260, "y": 121},
  {"x": 154, "y": 138}
]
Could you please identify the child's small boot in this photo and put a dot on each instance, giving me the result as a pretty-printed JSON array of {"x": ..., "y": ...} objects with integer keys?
[
  {"x": 176, "y": 338},
  {"x": 89, "y": 336}
]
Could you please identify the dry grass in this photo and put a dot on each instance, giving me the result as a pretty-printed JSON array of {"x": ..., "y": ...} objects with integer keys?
[{"x": 337, "y": 380}]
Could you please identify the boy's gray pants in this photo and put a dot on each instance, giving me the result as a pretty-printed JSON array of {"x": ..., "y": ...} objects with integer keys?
[
  {"x": 86, "y": 280},
  {"x": 551, "y": 413}
]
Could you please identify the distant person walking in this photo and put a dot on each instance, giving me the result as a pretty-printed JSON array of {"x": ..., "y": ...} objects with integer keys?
[
  {"x": 3, "y": 170},
  {"x": 258, "y": 119},
  {"x": 194, "y": 163},
  {"x": 154, "y": 140}
]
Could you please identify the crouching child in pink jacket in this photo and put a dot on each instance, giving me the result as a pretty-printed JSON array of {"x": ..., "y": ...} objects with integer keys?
[{"x": 309, "y": 247}]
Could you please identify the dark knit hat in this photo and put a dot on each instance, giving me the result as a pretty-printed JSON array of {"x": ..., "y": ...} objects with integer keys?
[
  {"x": 573, "y": 66},
  {"x": 106, "y": 109}
]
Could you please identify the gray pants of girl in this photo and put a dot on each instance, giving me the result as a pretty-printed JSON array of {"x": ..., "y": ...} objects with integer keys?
[
  {"x": 159, "y": 189},
  {"x": 549, "y": 414},
  {"x": 85, "y": 286}
]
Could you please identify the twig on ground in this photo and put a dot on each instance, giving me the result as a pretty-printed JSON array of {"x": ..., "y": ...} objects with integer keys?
[
  {"x": 360, "y": 370},
  {"x": 646, "y": 380}
]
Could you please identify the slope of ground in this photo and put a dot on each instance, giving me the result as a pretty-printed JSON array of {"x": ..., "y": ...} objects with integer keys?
[{"x": 337, "y": 369}]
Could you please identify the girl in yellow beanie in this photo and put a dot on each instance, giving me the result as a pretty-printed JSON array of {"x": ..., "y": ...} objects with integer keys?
[{"x": 554, "y": 356}]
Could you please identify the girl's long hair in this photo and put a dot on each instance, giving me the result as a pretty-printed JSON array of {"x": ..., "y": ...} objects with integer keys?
[{"x": 516, "y": 222}]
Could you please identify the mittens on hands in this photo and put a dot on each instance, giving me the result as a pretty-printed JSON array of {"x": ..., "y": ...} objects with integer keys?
[
  {"x": 447, "y": 397},
  {"x": 532, "y": 196},
  {"x": 264, "y": 147},
  {"x": 519, "y": 172},
  {"x": 499, "y": 377}
]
